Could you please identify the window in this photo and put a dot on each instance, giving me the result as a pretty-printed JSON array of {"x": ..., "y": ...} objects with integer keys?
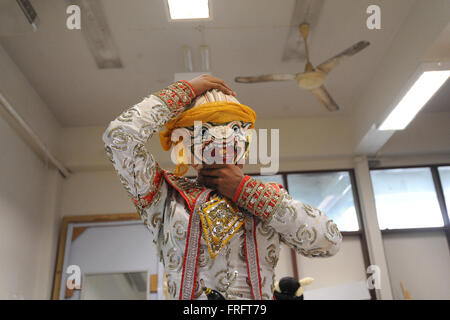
[
  {"x": 330, "y": 192},
  {"x": 444, "y": 174},
  {"x": 406, "y": 198}
]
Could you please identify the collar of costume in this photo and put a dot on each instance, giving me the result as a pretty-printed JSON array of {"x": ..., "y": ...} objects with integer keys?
[
  {"x": 188, "y": 189},
  {"x": 217, "y": 112}
]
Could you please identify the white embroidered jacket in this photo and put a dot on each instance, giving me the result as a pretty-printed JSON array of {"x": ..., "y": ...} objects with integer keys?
[{"x": 166, "y": 202}]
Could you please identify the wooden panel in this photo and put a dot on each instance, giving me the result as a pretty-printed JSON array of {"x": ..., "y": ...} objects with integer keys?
[
  {"x": 153, "y": 283},
  {"x": 77, "y": 231}
]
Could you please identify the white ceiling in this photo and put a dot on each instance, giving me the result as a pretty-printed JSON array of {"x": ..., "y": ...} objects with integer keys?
[{"x": 244, "y": 37}]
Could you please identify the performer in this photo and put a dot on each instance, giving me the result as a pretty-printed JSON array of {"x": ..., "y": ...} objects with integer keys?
[{"x": 223, "y": 229}]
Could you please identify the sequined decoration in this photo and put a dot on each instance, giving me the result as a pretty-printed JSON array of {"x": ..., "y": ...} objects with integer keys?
[{"x": 220, "y": 221}]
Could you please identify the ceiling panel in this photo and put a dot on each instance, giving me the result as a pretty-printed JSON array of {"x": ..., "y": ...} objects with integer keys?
[{"x": 245, "y": 38}]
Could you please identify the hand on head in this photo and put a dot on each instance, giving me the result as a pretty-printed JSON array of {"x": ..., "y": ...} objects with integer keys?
[{"x": 206, "y": 82}]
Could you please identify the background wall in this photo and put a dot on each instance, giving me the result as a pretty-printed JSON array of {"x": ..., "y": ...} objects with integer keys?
[
  {"x": 421, "y": 261},
  {"x": 28, "y": 192}
]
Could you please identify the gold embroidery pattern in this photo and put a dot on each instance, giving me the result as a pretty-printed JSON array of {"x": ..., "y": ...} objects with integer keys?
[
  {"x": 172, "y": 288},
  {"x": 220, "y": 221},
  {"x": 174, "y": 259},
  {"x": 333, "y": 234},
  {"x": 266, "y": 231},
  {"x": 306, "y": 233},
  {"x": 180, "y": 230},
  {"x": 311, "y": 211},
  {"x": 272, "y": 256}
]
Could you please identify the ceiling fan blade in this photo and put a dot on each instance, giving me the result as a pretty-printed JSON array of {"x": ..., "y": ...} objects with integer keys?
[
  {"x": 330, "y": 64},
  {"x": 266, "y": 77},
  {"x": 322, "y": 94}
]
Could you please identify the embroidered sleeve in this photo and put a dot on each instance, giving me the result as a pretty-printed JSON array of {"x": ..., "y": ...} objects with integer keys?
[
  {"x": 257, "y": 197},
  {"x": 125, "y": 138},
  {"x": 302, "y": 227}
]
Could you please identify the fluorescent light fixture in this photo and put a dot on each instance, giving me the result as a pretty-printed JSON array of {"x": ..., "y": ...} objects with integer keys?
[
  {"x": 417, "y": 96},
  {"x": 188, "y": 9}
]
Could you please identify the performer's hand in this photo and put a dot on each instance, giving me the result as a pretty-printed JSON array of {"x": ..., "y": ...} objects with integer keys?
[
  {"x": 225, "y": 178},
  {"x": 206, "y": 82}
]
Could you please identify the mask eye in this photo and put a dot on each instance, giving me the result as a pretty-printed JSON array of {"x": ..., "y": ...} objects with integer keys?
[
  {"x": 204, "y": 132},
  {"x": 236, "y": 129}
]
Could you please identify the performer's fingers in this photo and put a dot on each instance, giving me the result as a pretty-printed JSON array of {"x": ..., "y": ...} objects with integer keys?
[
  {"x": 211, "y": 182},
  {"x": 223, "y": 83},
  {"x": 221, "y": 87},
  {"x": 231, "y": 90},
  {"x": 211, "y": 172},
  {"x": 214, "y": 166}
]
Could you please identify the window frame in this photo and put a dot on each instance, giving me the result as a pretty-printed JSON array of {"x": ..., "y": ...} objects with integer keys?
[{"x": 439, "y": 194}]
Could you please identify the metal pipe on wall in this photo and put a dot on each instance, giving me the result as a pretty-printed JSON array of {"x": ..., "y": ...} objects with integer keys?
[{"x": 35, "y": 140}]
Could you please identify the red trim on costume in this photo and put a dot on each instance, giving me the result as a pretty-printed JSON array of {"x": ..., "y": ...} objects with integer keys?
[
  {"x": 239, "y": 189},
  {"x": 190, "y": 86},
  {"x": 246, "y": 259},
  {"x": 149, "y": 196},
  {"x": 275, "y": 185},
  {"x": 257, "y": 257},
  {"x": 184, "y": 258},
  {"x": 196, "y": 267}
]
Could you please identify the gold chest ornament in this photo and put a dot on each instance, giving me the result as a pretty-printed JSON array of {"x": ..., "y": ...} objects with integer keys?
[{"x": 220, "y": 221}]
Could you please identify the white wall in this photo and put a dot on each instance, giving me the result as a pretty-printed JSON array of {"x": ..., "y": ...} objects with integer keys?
[
  {"x": 28, "y": 192},
  {"x": 421, "y": 260},
  {"x": 301, "y": 139},
  {"x": 428, "y": 133},
  {"x": 347, "y": 266},
  {"x": 21, "y": 208}
]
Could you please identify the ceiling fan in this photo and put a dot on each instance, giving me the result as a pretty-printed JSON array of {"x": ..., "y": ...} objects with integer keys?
[{"x": 311, "y": 79}]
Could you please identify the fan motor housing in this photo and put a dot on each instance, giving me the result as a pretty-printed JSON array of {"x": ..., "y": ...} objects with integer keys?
[{"x": 311, "y": 80}]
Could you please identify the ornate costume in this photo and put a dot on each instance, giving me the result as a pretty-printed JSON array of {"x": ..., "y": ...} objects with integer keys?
[{"x": 202, "y": 237}]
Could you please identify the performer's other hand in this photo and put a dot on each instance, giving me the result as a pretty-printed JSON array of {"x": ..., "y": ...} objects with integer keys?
[
  {"x": 225, "y": 178},
  {"x": 206, "y": 82}
]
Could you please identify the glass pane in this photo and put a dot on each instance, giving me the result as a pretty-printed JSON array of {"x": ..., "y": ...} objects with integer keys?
[
  {"x": 444, "y": 174},
  {"x": 330, "y": 192},
  {"x": 406, "y": 198},
  {"x": 270, "y": 178},
  {"x": 115, "y": 286}
]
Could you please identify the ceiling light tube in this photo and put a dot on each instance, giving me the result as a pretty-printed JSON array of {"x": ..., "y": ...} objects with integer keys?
[
  {"x": 187, "y": 54},
  {"x": 188, "y": 9},
  {"x": 427, "y": 84},
  {"x": 204, "y": 56}
]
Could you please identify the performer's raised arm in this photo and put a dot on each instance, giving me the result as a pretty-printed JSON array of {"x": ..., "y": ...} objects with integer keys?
[{"x": 125, "y": 139}]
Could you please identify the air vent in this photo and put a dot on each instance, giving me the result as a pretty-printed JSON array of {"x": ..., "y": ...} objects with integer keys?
[{"x": 98, "y": 36}]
